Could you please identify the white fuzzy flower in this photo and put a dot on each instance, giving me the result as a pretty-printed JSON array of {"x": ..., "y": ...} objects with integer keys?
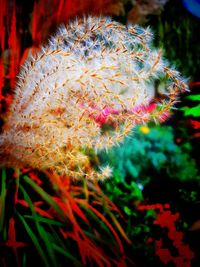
[{"x": 85, "y": 90}]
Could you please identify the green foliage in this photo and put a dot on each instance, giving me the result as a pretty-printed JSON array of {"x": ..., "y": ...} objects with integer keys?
[
  {"x": 142, "y": 159},
  {"x": 54, "y": 229},
  {"x": 194, "y": 97},
  {"x": 177, "y": 33},
  {"x": 156, "y": 152},
  {"x": 2, "y": 200},
  {"x": 140, "y": 165},
  {"x": 195, "y": 110}
]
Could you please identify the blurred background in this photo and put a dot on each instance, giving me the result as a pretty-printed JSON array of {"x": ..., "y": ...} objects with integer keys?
[{"x": 148, "y": 212}]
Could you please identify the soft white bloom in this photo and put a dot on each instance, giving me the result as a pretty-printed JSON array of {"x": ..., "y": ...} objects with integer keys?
[{"x": 85, "y": 90}]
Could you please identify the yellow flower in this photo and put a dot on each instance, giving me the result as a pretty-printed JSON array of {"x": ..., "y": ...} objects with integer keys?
[{"x": 144, "y": 129}]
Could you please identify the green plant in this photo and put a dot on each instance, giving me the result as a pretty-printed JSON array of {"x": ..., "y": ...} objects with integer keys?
[
  {"x": 177, "y": 35},
  {"x": 149, "y": 150},
  {"x": 73, "y": 224},
  {"x": 193, "y": 111},
  {"x": 150, "y": 153},
  {"x": 150, "y": 163}
]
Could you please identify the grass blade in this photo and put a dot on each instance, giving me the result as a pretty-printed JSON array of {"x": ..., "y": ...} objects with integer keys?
[
  {"x": 34, "y": 240},
  {"x": 46, "y": 197},
  {"x": 45, "y": 220},
  {"x": 67, "y": 254},
  {"x": 2, "y": 199},
  {"x": 44, "y": 236}
]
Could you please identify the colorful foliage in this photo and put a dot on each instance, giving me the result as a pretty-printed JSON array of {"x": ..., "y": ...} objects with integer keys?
[
  {"x": 166, "y": 220},
  {"x": 152, "y": 148},
  {"x": 153, "y": 167},
  {"x": 68, "y": 225},
  {"x": 191, "y": 108},
  {"x": 75, "y": 223}
]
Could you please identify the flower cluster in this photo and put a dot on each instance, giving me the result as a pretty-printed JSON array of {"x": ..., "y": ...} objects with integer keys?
[
  {"x": 167, "y": 220},
  {"x": 85, "y": 91}
]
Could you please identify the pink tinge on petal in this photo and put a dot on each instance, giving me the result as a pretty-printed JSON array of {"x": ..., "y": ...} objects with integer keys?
[
  {"x": 101, "y": 119},
  {"x": 164, "y": 116},
  {"x": 136, "y": 109},
  {"x": 143, "y": 109},
  {"x": 106, "y": 111},
  {"x": 82, "y": 105},
  {"x": 103, "y": 114},
  {"x": 151, "y": 107}
]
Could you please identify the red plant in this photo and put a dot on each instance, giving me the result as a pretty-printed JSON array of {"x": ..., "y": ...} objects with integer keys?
[
  {"x": 166, "y": 219},
  {"x": 69, "y": 206}
]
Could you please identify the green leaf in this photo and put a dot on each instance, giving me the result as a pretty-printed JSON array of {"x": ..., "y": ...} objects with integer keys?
[
  {"x": 45, "y": 220},
  {"x": 46, "y": 197},
  {"x": 137, "y": 229},
  {"x": 132, "y": 169},
  {"x": 195, "y": 111},
  {"x": 127, "y": 210},
  {"x": 95, "y": 217},
  {"x": 31, "y": 206},
  {"x": 194, "y": 97},
  {"x": 44, "y": 236},
  {"x": 24, "y": 260},
  {"x": 150, "y": 213},
  {"x": 2, "y": 199},
  {"x": 49, "y": 243},
  {"x": 67, "y": 254},
  {"x": 34, "y": 240},
  {"x": 62, "y": 248}
]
